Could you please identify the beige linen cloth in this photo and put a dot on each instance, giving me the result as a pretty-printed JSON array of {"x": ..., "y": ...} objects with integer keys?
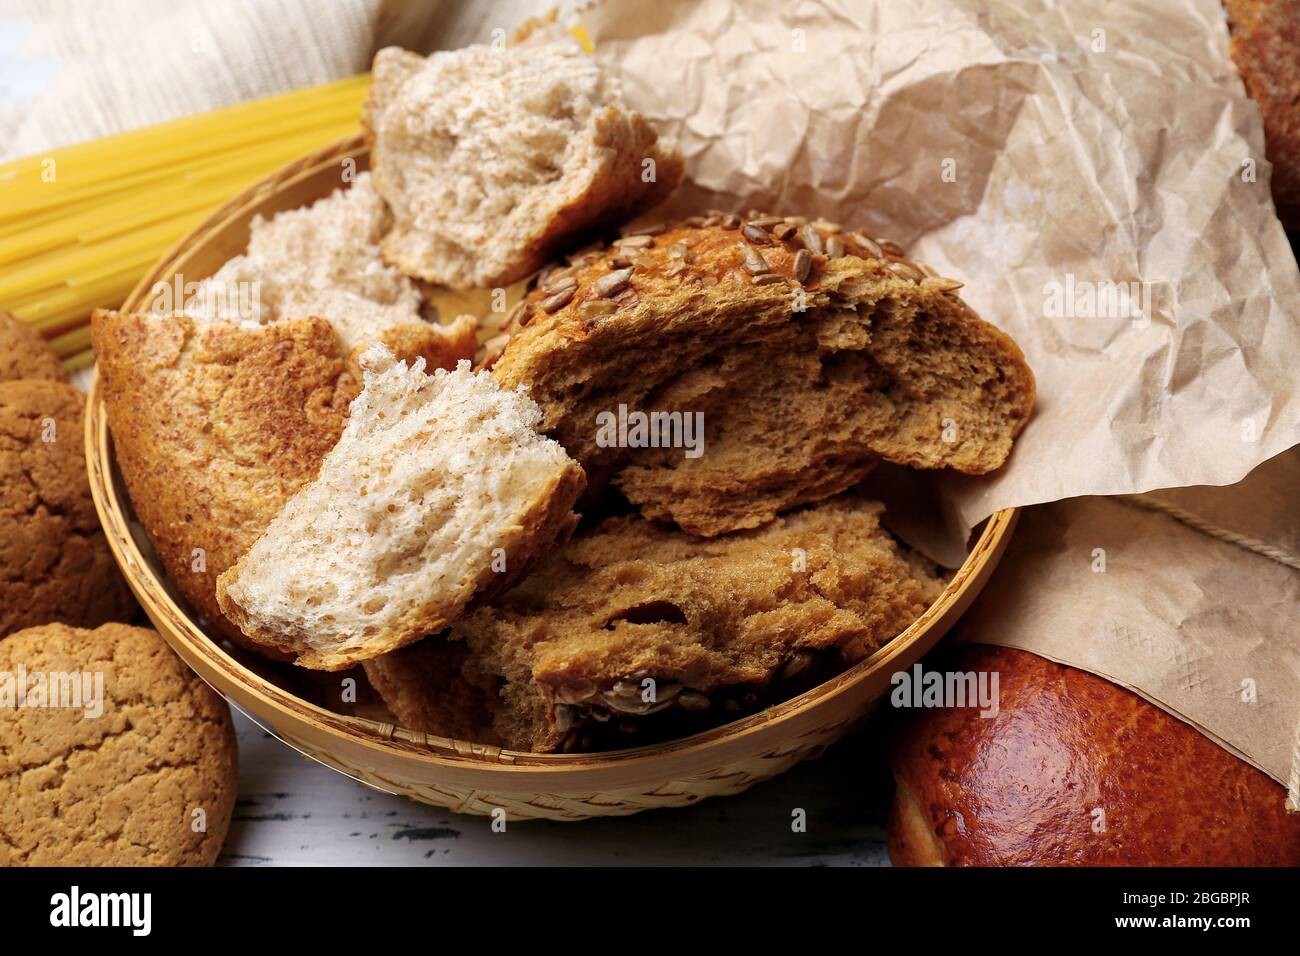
[{"x": 71, "y": 71}]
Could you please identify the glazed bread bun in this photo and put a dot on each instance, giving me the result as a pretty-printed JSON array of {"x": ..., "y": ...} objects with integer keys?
[{"x": 1074, "y": 771}]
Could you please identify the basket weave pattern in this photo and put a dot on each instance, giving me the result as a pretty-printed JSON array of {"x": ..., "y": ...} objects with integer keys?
[
  {"x": 566, "y": 807},
  {"x": 459, "y": 775}
]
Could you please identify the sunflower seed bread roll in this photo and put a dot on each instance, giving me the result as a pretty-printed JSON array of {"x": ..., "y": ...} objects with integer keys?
[
  {"x": 805, "y": 353},
  {"x": 491, "y": 158},
  {"x": 438, "y": 490},
  {"x": 634, "y": 630}
]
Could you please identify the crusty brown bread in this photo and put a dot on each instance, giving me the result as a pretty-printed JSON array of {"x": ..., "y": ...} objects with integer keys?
[
  {"x": 24, "y": 354},
  {"x": 438, "y": 490},
  {"x": 492, "y": 158},
  {"x": 54, "y": 562},
  {"x": 809, "y": 353},
  {"x": 424, "y": 687},
  {"x": 1266, "y": 48},
  {"x": 140, "y": 770},
  {"x": 214, "y": 427},
  {"x": 718, "y": 626},
  {"x": 1074, "y": 771}
]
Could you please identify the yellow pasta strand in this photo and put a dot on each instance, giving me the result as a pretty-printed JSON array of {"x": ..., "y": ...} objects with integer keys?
[
  {"x": 79, "y": 361},
  {"x": 80, "y": 225},
  {"x": 70, "y": 343}
]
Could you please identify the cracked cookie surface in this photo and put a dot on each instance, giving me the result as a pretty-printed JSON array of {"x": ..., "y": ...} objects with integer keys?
[
  {"x": 54, "y": 562},
  {"x": 121, "y": 788},
  {"x": 24, "y": 354}
]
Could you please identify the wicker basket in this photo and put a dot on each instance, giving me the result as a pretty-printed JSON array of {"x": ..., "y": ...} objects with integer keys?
[{"x": 468, "y": 777}]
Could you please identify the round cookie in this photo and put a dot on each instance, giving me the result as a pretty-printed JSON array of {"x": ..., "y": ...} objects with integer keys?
[
  {"x": 146, "y": 778},
  {"x": 54, "y": 562},
  {"x": 24, "y": 354}
]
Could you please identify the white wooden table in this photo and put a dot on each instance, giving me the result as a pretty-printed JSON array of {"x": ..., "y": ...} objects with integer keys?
[{"x": 292, "y": 811}]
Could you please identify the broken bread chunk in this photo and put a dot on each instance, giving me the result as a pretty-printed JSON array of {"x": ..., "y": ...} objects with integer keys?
[
  {"x": 807, "y": 353},
  {"x": 423, "y": 686},
  {"x": 245, "y": 415},
  {"x": 635, "y": 631},
  {"x": 323, "y": 260},
  {"x": 438, "y": 490},
  {"x": 492, "y": 158}
]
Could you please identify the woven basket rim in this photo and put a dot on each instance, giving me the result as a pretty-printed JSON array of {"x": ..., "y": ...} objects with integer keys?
[{"x": 147, "y": 581}]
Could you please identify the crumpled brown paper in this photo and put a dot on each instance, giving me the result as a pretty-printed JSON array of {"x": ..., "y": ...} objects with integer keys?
[
  {"x": 1044, "y": 151},
  {"x": 1071, "y": 166},
  {"x": 1204, "y": 627}
]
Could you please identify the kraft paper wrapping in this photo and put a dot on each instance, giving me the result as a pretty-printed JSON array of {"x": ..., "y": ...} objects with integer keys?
[{"x": 1094, "y": 172}]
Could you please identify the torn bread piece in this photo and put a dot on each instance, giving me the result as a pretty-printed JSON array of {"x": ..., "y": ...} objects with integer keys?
[
  {"x": 438, "y": 490},
  {"x": 214, "y": 427},
  {"x": 492, "y": 158},
  {"x": 634, "y": 631},
  {"x": 323, "y": 260},
  {"x": 424, "y": 687},
  {"x": 798, "y": 352}
]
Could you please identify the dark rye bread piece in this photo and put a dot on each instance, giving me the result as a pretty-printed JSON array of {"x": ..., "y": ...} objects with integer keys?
[
  {"x": 809, "y": 353},
  {"x": 718, "y": 625}
]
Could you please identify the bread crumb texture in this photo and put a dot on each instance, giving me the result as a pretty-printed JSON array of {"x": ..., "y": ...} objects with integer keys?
[
  {"x": 491, "y": 158},
  {"x": 323, "y": 260},
  {"x": 123, "y": 788},
  {"x": 634, "y": 600},
  {"x": 438, "y": 485},
  {"x": 802, "y": 382},
  {"x": 24, "y": 354},
  {"x": 424, "y": 687},
  {"x": 54, "y": 562}
]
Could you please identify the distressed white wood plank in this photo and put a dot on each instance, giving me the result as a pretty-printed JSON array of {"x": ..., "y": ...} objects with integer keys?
[{"x": 292, "y": 811}]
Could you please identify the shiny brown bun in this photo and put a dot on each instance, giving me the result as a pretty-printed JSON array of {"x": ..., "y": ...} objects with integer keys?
[{"x": 1029, "y": 786}]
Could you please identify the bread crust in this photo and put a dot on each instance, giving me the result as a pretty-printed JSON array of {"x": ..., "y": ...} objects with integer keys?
[
  {"x": 25, "y": 355},
  {"x": 801, "y": 384},
  {"x": 214, "y": 427},
  {"x": 1024, "y": 788},
  {"x": 1266, "y": 48},
  {"x": 55, "y": 564},
  {"x": 127, "y": 787}
]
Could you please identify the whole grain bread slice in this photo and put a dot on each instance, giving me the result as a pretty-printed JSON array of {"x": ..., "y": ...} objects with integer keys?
[
  {"x": 439, "y": 490},
  {"x": 808, "y": 352}
]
